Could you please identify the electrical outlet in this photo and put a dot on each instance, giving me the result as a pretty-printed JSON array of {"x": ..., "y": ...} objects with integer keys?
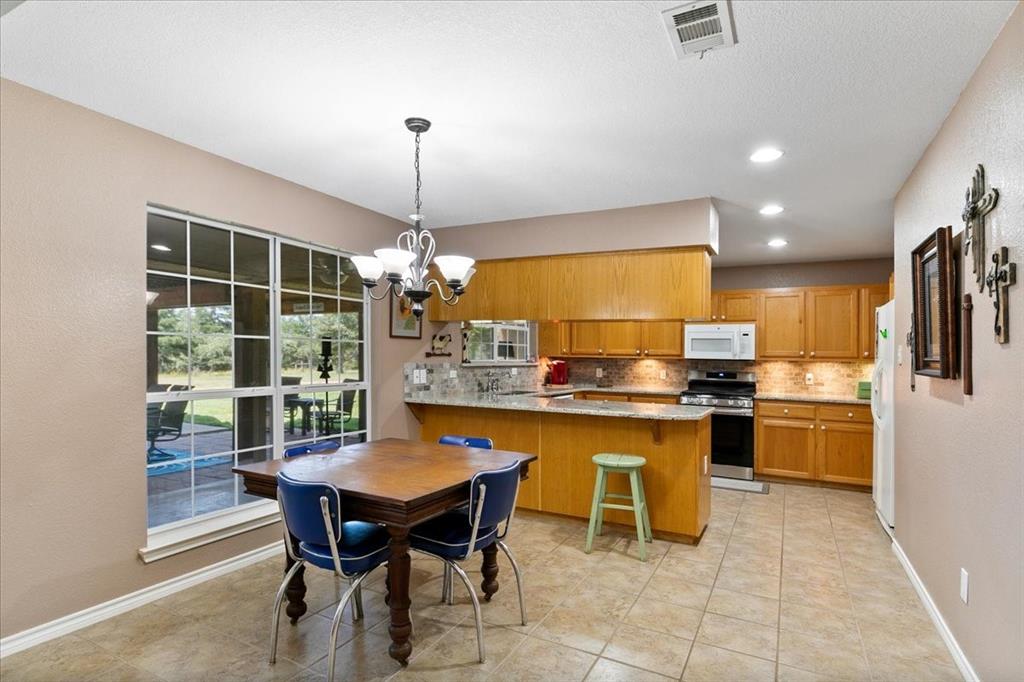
[
  {"x": 963, "y": 585},
  {"x": 664, "y": 374},
  {"x": 599, "y": 373},
  {"x": 809, "y": 379},
  {"x": 453, "y": 374},
  {"x": 514, "y": 371}
]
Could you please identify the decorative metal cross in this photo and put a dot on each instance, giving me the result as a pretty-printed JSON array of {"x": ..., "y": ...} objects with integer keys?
[
  {"x": 977, "y": 204},
  {"x": 1000, "y": 278}
]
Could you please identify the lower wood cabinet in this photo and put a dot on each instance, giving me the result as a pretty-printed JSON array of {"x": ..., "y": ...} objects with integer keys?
[
  {"x": 814, "y": 441},
  {"x": 627, "y": 397}
]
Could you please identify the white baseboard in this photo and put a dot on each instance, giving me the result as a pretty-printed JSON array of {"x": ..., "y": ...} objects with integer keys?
[
  {"x": 940, "y": 623},
  {"x": 94, "y": 614}
]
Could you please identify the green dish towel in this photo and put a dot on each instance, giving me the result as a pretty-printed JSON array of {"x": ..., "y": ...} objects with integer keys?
[{"x": 864, "y": 390}]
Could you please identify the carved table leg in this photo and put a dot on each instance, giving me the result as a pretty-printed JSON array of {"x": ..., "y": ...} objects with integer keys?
[
  {"x": 296, "y": 590},
  {"x": 399, "y": 565},
  {"x": 490, "y": 571}
]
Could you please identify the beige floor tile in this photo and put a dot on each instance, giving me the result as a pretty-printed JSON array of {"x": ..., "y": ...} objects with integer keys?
[
  {"x": 908, "y": 637},
  {"x": 738, "y": 635},
  {"x": 586, "y": 627},
  {"x": 885, "y": 668},
  {"x": 744, "y": 606},
  {"x": 814, "y": 620},
  {"x": 68, "y": 657},
  {"x": 628, "y": 546},
  {"x": 711, "y": 664},
  {"x": 767, "y": 565},
  {"x": 455, "y": 656},
  {"x": 536, "y": 660},
  {"x": 815, "y": 594},
  {"x": 363, "y": 659},
  {"x": 749, "y": 582},
  {"x": 124, "y": 673},
  {"x": 789, "y": 674},
  {"x": 676, "y": 591},
  {"x": 606, "y": 670},
  {"x": 837, "y": 657},
  {"x": 662, "y": 654},
  {"x": 662, "y": 616},
  {"x": 687, "y": 569}
]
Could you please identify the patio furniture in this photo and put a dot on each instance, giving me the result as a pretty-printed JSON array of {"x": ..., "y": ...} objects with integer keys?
[{"x": 164, "y": 423}]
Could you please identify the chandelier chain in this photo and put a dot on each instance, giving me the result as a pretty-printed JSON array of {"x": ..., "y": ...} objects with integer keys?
[{"x": 418, "y": 182}]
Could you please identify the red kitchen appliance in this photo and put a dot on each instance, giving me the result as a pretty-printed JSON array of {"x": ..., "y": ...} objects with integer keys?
[{"x": 559, "y": 372}]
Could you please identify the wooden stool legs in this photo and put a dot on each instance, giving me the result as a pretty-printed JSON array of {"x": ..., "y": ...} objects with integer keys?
[{"x": 638, "y": 505}]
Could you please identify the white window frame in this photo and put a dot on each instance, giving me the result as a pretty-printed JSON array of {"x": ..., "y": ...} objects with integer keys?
[
  {"x": 180, "y": 536},
  {"x": 518, "y": 325}
]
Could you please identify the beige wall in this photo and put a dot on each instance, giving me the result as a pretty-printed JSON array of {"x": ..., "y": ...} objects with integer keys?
[
  {"x": 866, "y": 271},
  {"x": 72, "y": 216},
  {"x": 960, "y": 460},
  {"x": 678, "y": 223}
]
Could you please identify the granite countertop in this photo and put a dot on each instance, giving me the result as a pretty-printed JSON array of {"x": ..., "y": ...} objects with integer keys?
[
  {"x": 814, "y": 398},
  {"x": 596, "y": 408},
  {"x": 617, "y": 388}
]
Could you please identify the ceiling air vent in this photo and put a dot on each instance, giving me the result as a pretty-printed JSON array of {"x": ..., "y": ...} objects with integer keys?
[{"x": 699, "y": 26}]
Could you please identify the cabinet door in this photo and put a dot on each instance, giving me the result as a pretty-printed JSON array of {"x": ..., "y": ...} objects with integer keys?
[
  {"x": 781, "y": 328},
  {"x": 785, "y": 447},
  {"x": 565, "y": 337},
  {"x": 870, "y": 298},
  {"x": 586, "y": 338},
  {"x": 663, "y": 339},
  {"x": 548, "y": 339},
  {"x": 716, "y": 306},
  {"x": 737, "y": 307},
  {"x": 844, "y": 452},
  {"x": 659, "y": 399},
  {"x": 832, "y": 324},
  {"x": 517, "y": 289},
  {"x": 621, "y": 338}
]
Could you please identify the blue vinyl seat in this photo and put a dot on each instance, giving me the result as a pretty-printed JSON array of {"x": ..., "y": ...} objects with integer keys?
[
  {"x": 467, "y": 441},
  {"x": 457, "y": 534},
  {"x": 322, "y": 446},
  {"x": 311, "y": 513}
]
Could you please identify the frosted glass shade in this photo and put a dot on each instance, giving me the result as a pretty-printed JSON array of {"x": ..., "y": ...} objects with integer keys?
[
  {"x": 368, "y": 267},
  {"x": 469, "y": 276},
  {"x": 454, "y": 267},
  {"x": 395, "y": 261}
]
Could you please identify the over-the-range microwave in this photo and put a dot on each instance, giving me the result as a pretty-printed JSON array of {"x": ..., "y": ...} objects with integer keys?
[{"x": 719, "y": 341}]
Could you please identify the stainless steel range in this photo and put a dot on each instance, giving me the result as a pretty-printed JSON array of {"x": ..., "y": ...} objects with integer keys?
[{"x": 731, "y": 394}]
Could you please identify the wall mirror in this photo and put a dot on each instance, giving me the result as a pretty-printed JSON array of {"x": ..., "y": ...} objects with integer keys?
[{"x": 934, "y": 279}]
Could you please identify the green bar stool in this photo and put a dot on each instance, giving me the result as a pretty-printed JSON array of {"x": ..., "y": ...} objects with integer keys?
[{"x": 614, "y": 463}]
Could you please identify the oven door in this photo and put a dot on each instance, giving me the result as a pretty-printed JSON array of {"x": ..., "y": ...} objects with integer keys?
[
  {"x": 706, "y": 344},
  {"x": 732, "y": 443}
]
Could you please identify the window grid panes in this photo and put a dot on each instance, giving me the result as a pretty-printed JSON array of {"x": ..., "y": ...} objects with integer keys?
[
  {"x": 498, "y": 342},
  {"x": 223, "y": 349}
]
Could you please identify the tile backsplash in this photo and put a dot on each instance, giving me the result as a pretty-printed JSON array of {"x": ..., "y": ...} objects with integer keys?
[{"x": 452, "y": 378}]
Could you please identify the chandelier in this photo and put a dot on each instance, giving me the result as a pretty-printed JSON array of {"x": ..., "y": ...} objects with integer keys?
[{"x": 406, "y": 268}]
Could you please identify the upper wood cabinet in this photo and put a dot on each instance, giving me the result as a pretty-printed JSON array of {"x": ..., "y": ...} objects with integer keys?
[
  {"x": 832, "y": 323},
  {"x": 735, "y": 306},
  {"x": 626, "y": 285},
  {"x": 781, "y": 333},
  {"x": 662, "y": 339},
  {"x": 621, "y": 339},
  {"x": 553, "y": 339},
  {"x": 870, "y": 298},
  {"x": 586, "y": 338}
]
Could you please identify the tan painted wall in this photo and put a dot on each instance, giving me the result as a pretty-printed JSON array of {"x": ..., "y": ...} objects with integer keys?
[
  {"x": 72, "y": 217},
  {"x": 678, "y": 223},
  {"x": 865, "y": 271},
  {"x": 960, "y": 460}
]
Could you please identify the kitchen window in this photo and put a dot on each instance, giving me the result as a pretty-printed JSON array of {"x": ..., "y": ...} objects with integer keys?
[
  {"x": 499, "y": 342},
  {"x": 237, "y": 325}
]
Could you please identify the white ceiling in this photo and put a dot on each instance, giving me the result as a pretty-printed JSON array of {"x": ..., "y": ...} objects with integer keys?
[{"x": 538, "y": 108}]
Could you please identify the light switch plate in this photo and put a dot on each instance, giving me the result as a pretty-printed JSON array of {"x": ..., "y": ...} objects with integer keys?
[
  {"x": 664, "y": 374},
  {"x": 453, "y": 374},
  {"x": 599, "y": 373},
  {"x": 964, "y": 579},
  {"x": 809, "y": 379},
  {"x": 514, "y": 371}
]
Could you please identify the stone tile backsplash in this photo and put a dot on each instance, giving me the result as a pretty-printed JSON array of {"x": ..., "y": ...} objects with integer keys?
[{"x": 452, "y": 378}]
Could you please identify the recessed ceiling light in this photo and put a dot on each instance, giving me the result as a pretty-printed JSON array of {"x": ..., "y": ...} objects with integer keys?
[
  {"x": 766, "y": 155},
  {"x": 777, "y": 243},
  {"x": 771, "y": 209},
  {"x": 160, "y": 247}
]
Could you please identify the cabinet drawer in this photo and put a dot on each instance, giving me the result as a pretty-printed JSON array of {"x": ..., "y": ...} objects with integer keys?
[
  {"x": 845, "y": 413},
  {"x": 786, "y": 410},
  {"x": 649, "y": 398}
]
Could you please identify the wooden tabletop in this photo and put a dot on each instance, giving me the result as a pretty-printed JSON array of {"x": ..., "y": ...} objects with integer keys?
[{"x": 390, "y": 470}]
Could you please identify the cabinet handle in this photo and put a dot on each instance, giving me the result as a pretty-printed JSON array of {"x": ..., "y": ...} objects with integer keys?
[
  {"x": 600, "y": 350},
  {"x": 812, "y": 353},
  {"x": 822, "y": 427},
  {"x": 563, "y": 350},
  {"x": 865, "y": 353},
  {"x": 785, "y": 410},
  {"x": 638, "y": 351},
  {"x": 850, "y": 415},
  {"x": 801, "y": 353},
  {"x": 647, "y": 352},
  {"x": 723, "y": 317},
  {"x": 714, "y": 317},
  {"x": 811, "y": 427}
]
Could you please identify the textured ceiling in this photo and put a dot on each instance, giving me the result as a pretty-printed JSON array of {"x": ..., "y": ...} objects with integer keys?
[{"x": 538, "y": 108}]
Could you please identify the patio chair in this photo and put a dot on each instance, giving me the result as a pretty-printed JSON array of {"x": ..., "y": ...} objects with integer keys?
[{"x": 164, "y": 423}]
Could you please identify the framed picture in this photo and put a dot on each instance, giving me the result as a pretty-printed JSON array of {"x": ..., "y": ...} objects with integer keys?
[
  {"x": 404, "y": 325},
  {"x": 935, "y": 331}
]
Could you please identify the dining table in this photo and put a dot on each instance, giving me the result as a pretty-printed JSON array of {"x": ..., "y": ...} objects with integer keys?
[{"x": 398, "y": 483}]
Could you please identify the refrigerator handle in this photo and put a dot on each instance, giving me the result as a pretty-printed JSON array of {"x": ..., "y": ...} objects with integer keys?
[{"x": 876, "y": 387}]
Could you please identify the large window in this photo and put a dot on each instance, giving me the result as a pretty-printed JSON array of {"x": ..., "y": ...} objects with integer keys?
[
  {"x": 493, "y": 342},
  {"x": 236, "y": 321}
]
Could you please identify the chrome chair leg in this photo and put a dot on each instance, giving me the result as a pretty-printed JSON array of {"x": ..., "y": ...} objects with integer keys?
[
  {"x": 277, "y": 607},
  {"x": 519, "y": 578},
  {"x": 451, "y": 586},
  {"x": 357, "y": 601},
  {"x": 476, "y": 608},
  {"x": 446, "y": 583},
  {"x": 336, "y": 623}
]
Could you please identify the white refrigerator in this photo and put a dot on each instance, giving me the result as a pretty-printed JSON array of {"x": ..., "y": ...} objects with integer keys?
[{"x": 882, "y": 387}]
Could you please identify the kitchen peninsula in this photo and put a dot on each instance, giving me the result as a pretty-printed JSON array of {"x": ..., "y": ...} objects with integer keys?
[{"x": 565, "y": 434}]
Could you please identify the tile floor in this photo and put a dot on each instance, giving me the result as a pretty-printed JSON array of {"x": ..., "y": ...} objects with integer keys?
[{"x": 796, "y": 585}]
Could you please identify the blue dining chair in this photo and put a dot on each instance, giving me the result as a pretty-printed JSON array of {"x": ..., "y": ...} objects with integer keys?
[
  {"x": 322, "y": 446},
  {"x": 457, "y": 534},
  {"x": 311, "y": 512},
  {"x": 467, "y": 441}
]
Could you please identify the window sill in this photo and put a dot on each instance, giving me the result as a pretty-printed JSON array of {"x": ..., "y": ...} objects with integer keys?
[
  {"x": 500, "y": 364},
  {"x": 163, "y": 543}
]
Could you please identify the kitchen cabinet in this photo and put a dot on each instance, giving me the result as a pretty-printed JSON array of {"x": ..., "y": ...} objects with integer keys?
[
  {"x": 621, "y": 339},
  {"x": 662, "y": 339},
  {"x": 627, "y": 397},
  {"x": 870, "y": 298},
  {"x": 553, "y": 339},
  {"x": 735, "y": 306},
  {"x": 832, "y": 324},
  {"x": 814, "y": 441},
  {"x": 586, "y": 338},
  {"x": 781, "y": 333}
]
